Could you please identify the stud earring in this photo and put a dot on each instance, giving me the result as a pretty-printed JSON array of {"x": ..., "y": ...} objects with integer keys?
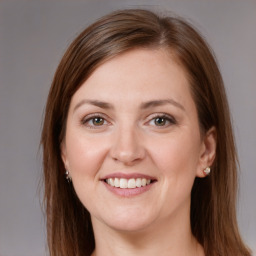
[
  {"x": 68, "y": 177},
  {"x": 207, "y": 171}
]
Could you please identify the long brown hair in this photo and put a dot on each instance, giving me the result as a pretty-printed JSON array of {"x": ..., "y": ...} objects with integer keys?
[{"x": 213, "y": 199}]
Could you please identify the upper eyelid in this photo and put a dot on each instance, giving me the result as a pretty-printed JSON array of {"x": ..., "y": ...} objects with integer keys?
[
  {"x": 89, "y": 117},
  {"x": 97, "y": 114},
  {"x": 168, "y": 117},
  {"x": 154, "y": 115}
]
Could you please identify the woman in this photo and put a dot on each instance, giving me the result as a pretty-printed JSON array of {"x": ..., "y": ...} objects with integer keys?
[{"x": 139, "y": 156}]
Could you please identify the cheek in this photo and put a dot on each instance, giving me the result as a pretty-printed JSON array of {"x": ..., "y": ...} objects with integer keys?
[
  {"x": 84, "y": 155},
  {"x": 176, "y": 162},
  {"x": 176, "y": 155}
]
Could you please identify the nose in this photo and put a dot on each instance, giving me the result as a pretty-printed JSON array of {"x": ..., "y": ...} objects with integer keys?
[{"x": 127, "y": 146}]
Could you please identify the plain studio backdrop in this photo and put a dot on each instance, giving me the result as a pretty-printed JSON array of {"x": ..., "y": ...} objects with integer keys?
[{"x": 33, "y": 37}]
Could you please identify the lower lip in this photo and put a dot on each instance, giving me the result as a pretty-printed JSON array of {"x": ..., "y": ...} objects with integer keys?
[{"x": 128, "y": 192}]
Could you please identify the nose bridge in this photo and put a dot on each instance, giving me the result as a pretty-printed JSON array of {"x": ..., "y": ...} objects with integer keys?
[{"x": 127, "y": 144}]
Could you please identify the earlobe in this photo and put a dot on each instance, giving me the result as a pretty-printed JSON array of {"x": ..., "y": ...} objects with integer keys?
[
  {"x": 208, "y": 152},
  {"x": 65, "y": 161},
  {"x": 64, "y": 154}
]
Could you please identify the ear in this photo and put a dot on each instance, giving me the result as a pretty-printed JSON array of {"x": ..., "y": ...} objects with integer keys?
[
  {"x": 208, "y": 151},
  {"x": 64, "y": 154}
]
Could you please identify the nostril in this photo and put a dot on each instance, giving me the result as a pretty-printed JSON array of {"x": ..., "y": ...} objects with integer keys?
[
  {"x": 127, "y": 147},
  {"x": 127, "y": 159}
]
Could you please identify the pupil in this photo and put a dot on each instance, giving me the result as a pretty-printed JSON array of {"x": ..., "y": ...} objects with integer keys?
[
  {"x": 98, "y": 121},
  {"x": 160, "y": 121}
]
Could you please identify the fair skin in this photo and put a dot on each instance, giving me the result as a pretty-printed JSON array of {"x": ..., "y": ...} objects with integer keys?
[{"x": 134, "y": 119}]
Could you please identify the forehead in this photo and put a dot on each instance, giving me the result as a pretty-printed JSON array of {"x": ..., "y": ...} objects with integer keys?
[{"x": 140, "y": 74}]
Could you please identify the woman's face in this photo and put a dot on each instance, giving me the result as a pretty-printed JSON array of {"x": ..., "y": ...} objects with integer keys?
[{"x": 132, "y": 143}]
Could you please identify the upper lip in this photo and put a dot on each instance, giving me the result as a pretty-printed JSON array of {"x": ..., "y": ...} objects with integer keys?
[{"x": 128, "y": 176}]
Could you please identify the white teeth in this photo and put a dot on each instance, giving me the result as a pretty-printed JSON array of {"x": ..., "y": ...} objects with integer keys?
[
  {"x": 123, "y": 183},
  {"x": 128, "y": 183},
  {"x": 111, "y": 182},
  {"x": 117, "y": 183},
  {"x": 138, "y": 183},
  {"x": 131, "y": 183}
]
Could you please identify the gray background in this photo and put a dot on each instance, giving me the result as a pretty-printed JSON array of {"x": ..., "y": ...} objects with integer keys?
[{"x": 33, "y": 37}]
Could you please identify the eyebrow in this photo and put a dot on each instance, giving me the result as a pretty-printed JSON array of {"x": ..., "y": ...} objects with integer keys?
[
  {"x": 144, "y": 105},
  {"x": 96, "y": 103},
  {"x": 156, "y": 103}
]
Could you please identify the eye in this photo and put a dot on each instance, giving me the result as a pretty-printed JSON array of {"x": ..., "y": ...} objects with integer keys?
[
  {"x": 162, "y": 120},
  {"x": 94, "y": 121},
  {"x": 97, "y": 121}
]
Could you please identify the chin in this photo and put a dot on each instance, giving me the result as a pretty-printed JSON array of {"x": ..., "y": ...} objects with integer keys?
[
  {"x": 129, "y": 226},
  {"x": 129, "y": 222}
]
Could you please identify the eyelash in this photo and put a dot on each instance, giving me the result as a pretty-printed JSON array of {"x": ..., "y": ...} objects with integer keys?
[
  {"x": 166, "y": 118},
  {"x": 85, "y": 121}
]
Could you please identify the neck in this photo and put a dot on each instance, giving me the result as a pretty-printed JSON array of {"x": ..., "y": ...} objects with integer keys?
[{"x": 168, "y": 237}]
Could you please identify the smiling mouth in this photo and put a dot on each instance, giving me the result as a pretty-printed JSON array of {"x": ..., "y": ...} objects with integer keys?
[{"x": 128, "y": 183}]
